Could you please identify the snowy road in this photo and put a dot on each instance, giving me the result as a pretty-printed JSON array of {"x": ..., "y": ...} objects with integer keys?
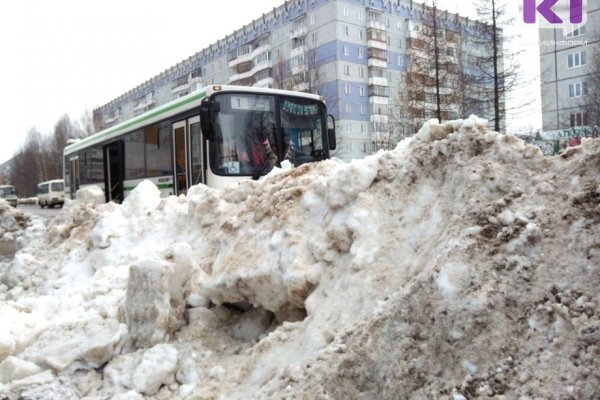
[{"x": 47, "y": 213}]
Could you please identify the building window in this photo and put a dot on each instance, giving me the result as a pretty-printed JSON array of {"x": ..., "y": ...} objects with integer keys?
[
  {"x": 348, "y": 107},
  {"x": 347, "y": 89},
  {"x": 346, "y": 11},
  {"x": 361, "y": 72},
  {"x": 363, "y": 109},
  {"x": 346, "y": 52},
  {"x": 578, "y": 119},
  {"x": 361, "y": 53},
  {"x": 362, "y": 91},
  {"x": 578, "y": 89},
  {"x": 182, "y": 80},
  {"x": 400, "y": 61},
  {"x": 346, "y": 69},
  {"x": 346, "y": 30},
  {"x": 576, "y": 32},
  {"x": 360, "y": 34},
  {"x": 576, "y": 59},
  {"x": 314, "y": 37},
  {"x": 313, "y": 19}
]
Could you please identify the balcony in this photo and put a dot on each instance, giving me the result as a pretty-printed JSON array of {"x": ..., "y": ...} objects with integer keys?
[
  {"x": 246, "y": 81},
  {"x": 299, "y": 68},
  {"x": 195, "y": 83},
  {"x": 112, "y": 120},
  {"x": 379, "y": 118},
  {"x": 177, "y": 90},
  {"x": 376, "y": 44},
  {"x": 299, "y": 50},
  {"x": 376, "y": 25},
  {"x": 378, "y": 81},
  {"x": 248, "y": 54},
  {"x": 265, "y": 82},
  {"x": 243, "y": 67},
  {"x": 301, "y": 87},
  {"x": 377, "y": 99},
  {"x": 253, "y": 71},
  {"x": 375, "y": 62},
  {"x": 298, "y": 32},
  {"x": 143, "y": 107}
]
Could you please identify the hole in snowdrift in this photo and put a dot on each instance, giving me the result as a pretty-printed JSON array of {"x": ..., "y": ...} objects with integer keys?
[{"x": 249, "y": 323}]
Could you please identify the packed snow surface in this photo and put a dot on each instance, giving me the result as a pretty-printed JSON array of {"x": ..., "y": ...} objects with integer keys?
[{"x": 461, "y": 265}]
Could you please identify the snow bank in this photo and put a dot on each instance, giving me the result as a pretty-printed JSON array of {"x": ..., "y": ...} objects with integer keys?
[{"x": 462, "y": 264}]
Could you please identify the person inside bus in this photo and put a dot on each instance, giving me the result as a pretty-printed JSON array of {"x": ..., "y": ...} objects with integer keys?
[
  {"x": 290, "y": 149},
  {"x": 262, "y": 151}
]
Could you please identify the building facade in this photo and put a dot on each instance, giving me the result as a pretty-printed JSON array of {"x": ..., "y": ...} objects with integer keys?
[
  {"x": 360, "y": 55},
  {"x": 570, "y": 75}
]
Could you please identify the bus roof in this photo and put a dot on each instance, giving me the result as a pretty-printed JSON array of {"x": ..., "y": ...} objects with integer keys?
[
  {"x": 173, "y": 108},
  {"x": 51, "y": 181}
]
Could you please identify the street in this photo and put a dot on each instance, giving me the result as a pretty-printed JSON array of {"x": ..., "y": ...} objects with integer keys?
[{"x": 47, "y": 213}]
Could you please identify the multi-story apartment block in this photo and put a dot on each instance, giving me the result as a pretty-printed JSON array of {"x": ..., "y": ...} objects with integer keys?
[
  {"x": 570, "y": 76},
  {"x": 358, "y": 54}
]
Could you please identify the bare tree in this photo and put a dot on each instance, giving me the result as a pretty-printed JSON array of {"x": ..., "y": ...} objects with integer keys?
[
  {"x": 40, "y": 157},
  {"x": 498, "y": 68},
  {"x": 590, "y": 101},
  {"x": 86, "y": 125},
  {"x": 27, "y": 167},
  {"x": 432, "y": 77},
  {"x": 64, "y": 130}
]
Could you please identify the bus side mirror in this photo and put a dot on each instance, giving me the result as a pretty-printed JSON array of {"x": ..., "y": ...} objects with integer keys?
[
  {"x": 331, "y": 132},
  {"x": 208, "y": 110}
]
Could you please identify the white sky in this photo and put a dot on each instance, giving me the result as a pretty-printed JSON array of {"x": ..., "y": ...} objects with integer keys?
[{"x": 68, "y": 56}]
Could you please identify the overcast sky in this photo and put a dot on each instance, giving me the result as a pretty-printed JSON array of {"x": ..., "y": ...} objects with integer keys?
[{"x": 68, "y": 56}]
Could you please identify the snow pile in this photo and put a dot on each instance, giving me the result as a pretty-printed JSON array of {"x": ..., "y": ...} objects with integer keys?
[
  {"x": 17, "y": 228},
  {"x": 462, "y": 264}
]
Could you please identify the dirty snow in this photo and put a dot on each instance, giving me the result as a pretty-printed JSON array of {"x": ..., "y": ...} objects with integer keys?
[{"x": 461, "y": 265}]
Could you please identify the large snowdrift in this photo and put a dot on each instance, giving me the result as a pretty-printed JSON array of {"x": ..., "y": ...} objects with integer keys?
[{"x": 463, "y": 264}]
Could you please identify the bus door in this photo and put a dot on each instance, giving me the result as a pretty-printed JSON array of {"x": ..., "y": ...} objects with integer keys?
[
  {"x": 198, "y": 163},
  {"x": 180, "y": 159},
  {"x": 114, "y": 172},
  {"x": 188, "y": 160},
  {"x": 73, "y": 176}
]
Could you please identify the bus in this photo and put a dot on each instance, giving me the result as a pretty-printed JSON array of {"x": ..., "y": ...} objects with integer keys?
[
  {"x": 51, "y": 193},
  {"x": 8, "y": 193},
  {"x": 204, "y": 137}
]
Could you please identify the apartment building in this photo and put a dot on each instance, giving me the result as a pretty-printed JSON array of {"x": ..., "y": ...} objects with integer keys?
[
  {"x": 570, "y": 76},
  {"x": 360, "y": 55}
]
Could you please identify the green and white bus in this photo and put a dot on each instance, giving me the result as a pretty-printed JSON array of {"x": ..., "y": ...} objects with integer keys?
[{"x": 204, "y": 137}]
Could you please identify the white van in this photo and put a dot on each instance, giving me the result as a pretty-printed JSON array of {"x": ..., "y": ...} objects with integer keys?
[
  {"x": 8, "y": 193},
  {"x": 51, "y": 193}
]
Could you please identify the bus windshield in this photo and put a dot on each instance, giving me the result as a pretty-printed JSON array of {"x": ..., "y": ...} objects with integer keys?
[
  {"x": 7, "y": 191},
  {"x": 257, "y": 132},
  {"x": 57, "y": 187}
]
